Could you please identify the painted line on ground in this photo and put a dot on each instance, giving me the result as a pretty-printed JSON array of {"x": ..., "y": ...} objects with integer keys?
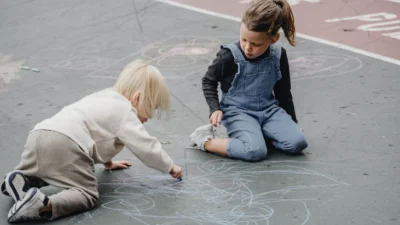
[{"x": 305, "y": 36}]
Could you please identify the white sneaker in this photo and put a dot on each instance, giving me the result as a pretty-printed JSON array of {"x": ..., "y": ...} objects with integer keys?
[
  {"x": 28, "y": 207},
  {"x": 201, "y": 135},
  {"x": 15, "y": 185},
  {"x": 3, "y": 188}
]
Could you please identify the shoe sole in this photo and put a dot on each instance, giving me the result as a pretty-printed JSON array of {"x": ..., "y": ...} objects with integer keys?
[
  {"x": 16, "y": 210},
  {"x": 16, "y": 185}
]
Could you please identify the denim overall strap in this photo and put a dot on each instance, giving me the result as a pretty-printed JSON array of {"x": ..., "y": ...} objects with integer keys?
[
  {"x": 240, "y": 60},
  {"x": 254, "y": 82}
]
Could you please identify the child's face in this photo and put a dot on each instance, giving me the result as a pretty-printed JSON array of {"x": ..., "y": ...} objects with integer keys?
[
  {"x": 253, "y": 43},
  {"x": 142, "y": 119}
]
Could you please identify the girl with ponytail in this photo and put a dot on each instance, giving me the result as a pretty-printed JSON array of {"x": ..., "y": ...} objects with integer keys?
[{"x": 256, "y": 103}]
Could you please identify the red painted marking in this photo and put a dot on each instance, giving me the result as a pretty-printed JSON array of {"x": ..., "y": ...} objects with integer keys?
[
  {"x": 381, "y": 35},
  {"x": 347, "y": 32}
]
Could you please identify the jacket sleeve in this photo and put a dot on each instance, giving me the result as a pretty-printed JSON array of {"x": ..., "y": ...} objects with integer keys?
[
  {"x": 222, "y": 67},
  {"x": 145, "y": 147},
  {"x": 282, "y": 89}
]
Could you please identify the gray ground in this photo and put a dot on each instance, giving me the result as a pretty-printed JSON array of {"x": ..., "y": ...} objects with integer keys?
[{"x": 346, "y": 103}]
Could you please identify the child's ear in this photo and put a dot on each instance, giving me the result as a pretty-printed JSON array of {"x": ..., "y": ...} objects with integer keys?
[
  {"x": 135, "y": 99},
  {"x": 275, "y": 38}
]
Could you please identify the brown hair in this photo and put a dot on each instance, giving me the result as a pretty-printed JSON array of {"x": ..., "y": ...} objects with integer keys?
[{"x": 269, "y": 16}]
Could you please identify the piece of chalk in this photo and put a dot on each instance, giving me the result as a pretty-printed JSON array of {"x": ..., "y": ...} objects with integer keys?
[
  {"x": 24, "y": 67},
  {"x": 35, "y": 70}
]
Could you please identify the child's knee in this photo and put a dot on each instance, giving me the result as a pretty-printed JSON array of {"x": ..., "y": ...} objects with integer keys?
[
  {"x": 93, "y": 199},
  {"x": 297, "y": 144},
  {"x": 255, "y": 152},
  {"x": 248, "y": 148}
]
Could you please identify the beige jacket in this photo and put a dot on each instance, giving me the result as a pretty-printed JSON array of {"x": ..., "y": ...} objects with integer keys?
[{"x": 102, "y": 124}]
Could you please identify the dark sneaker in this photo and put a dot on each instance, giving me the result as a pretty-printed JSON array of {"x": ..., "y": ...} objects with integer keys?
[
  {"x": 28, "y": 207},
  {"x": 15, "y": 185}
]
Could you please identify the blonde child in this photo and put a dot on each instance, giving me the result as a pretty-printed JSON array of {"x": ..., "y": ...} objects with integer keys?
[
  {"x": 63, "y": 149},
  {"x": 254, "y": 76}
]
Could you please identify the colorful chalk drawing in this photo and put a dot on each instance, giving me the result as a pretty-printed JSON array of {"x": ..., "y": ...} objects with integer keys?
[
  {"x": 222, "y": 192},
  {"x": 8, "y": 71},
  {"x": 187, "y": 57}
]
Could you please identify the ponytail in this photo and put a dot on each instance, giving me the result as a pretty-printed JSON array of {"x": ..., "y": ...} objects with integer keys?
[{"x": 287, "y": 21}]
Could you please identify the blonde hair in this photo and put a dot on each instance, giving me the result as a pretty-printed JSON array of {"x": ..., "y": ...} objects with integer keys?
[
  {"x": 139, "y": 76},
  {"x": 269, "y": 16}
]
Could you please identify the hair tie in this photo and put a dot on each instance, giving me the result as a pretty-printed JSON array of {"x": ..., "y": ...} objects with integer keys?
[{"x": 271, "y": 27}]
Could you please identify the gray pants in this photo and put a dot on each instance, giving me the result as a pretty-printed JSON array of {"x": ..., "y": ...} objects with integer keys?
[{"x": 53, "y": 158}]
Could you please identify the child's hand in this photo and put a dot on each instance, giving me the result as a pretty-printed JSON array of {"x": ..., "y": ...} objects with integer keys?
[
  {"x": 176, "y": 172},
  {"x": 117, "y": 165},
  {"x": 216, "y": 117}
]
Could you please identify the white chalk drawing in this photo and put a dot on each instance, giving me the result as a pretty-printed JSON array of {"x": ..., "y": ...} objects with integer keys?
[
  {"x": 8, "y": 71},
  {"x": 309, "y": 65},
  {"x": 222, "y": 192},
  {"x": 184, "y": 57},
  {"x": 177, "y": 57},
  {"x": 187, "y": 57},
  {"x": 84, "y": 63}
]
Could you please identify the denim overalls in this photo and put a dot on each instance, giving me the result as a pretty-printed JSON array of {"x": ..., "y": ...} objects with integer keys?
[{"x": 251, "y": 111}]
